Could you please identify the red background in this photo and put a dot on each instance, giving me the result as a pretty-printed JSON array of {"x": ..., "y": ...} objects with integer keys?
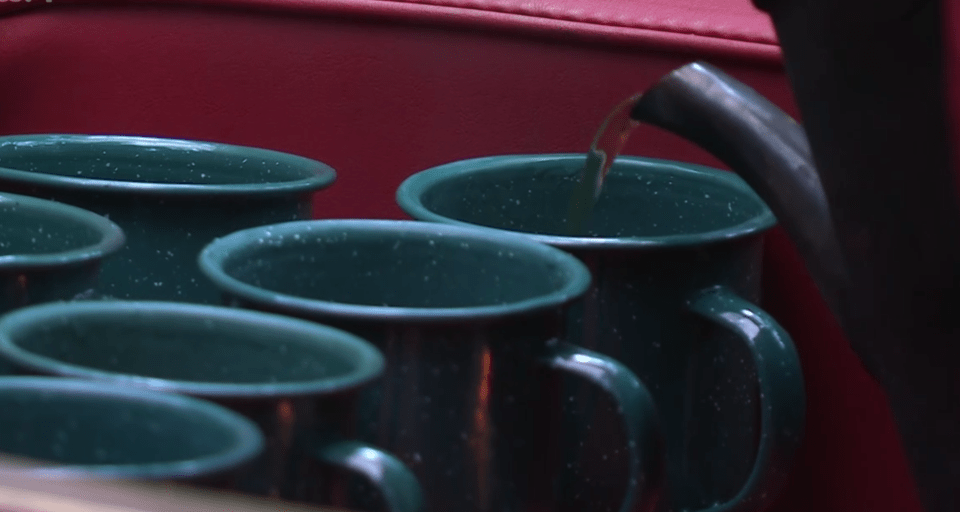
[{"x": 381, "y": 89}]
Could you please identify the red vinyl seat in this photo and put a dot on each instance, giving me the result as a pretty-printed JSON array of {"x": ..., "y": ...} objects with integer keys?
[{"x": 380, "y": 89}]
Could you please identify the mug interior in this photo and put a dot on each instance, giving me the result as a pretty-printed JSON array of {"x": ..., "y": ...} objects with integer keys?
[
  {"x": 26, "y": 228},
  {"x": 151, "y": 160},
  {"x": 184, "y": 344},
  {"x": 641, "y": 199},
  {"x": 69, "y": 425},
  {"x": 395, "y": 265}
]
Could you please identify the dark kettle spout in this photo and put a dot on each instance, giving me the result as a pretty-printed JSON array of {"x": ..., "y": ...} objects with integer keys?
[{"x": 765, "y": 146}]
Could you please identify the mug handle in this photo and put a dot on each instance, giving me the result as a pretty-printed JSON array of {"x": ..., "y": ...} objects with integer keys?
[
  {"x": 782, "y": 397},
  {"x": 637, "y": 410},
  {"x": 396, "y": 483}
]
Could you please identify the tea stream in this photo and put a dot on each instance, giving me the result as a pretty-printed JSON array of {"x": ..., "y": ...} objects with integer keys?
[{"x": 606, "y": 146}]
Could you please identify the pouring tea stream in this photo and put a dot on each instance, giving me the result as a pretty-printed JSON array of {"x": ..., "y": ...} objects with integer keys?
[{"x": 606, "y": 146}]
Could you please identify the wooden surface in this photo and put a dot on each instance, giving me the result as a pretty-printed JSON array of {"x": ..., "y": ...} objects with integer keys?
[{"x": 21, "y": 493}]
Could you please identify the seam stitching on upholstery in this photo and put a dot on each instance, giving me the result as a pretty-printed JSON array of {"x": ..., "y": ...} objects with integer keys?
[{"x": 595, "y": 20}]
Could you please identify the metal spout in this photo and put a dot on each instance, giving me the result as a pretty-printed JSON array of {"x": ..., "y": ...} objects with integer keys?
[{"x": 763, "y": 145}]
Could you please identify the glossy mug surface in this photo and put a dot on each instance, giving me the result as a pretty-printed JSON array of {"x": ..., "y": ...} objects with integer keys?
[
  {"x": 296, "y": 380},
  {"x": 675, "y": 252},
  {"x": 171, "y": 197},
  {"x": 50, "y": 251},
  {"x": 69, "y": 428},
  {"x": 471, "y": 324}
]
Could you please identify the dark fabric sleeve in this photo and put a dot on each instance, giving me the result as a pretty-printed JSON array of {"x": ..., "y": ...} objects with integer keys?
[{"x": 870, "y": 83}]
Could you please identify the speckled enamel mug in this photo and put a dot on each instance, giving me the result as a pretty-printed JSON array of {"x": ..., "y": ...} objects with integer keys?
[
  {"x": 296, "y": 380},
  {"x": 171, "y": 197},
  {"x": 472, "y": 327},
  {"x": 675, "y": 251},
  {"x": 50, "y": 251},
  {"x": 78, "y": 429}
]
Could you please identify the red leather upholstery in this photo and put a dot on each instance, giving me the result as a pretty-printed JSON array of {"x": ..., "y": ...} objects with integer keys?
[
  {"x": 380, "y": 89},
  {"x": 729, "y": 26}
]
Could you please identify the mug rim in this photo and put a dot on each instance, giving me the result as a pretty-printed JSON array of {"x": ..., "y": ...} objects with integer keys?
[
  {"x": 112, "y": 237},
  {"x": 370, "y": 363},
  {"x": 212, "y": 257},
  {"x": 316, "y": 175},
  {"x": 249, "y": 441},
  {"x": 410, "y": 192}
]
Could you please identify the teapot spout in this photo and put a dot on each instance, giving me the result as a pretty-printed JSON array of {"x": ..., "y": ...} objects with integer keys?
[{"x": 765, "y": 146}]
